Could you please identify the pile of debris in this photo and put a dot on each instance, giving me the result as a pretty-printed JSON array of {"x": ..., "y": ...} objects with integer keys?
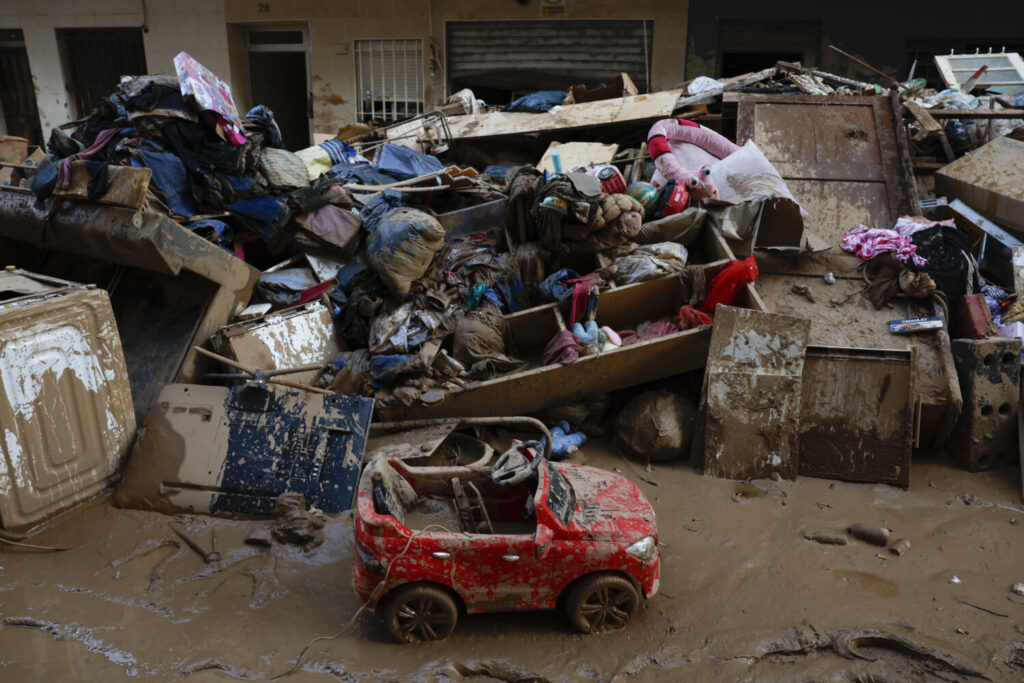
[{"x": 764, "y": 232}]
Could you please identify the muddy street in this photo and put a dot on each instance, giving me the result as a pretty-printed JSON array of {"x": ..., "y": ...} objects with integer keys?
[
  {"x": 744, "y": 595},
  {"x": 560, "y": 341}
]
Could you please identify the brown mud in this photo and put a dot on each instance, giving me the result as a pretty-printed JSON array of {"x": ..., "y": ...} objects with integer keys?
[{"x": 744, "y": 596}]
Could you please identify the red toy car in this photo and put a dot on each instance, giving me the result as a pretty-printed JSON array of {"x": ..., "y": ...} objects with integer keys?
[{"x": 527, "y": 534}]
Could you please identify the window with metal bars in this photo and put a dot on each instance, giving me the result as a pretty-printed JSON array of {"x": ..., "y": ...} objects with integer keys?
[
  {"x": 389, "y": 79},
  {"x": 96, "y": 58}
]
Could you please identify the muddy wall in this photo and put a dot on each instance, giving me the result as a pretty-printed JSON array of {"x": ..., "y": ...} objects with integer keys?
[
  {"x": 195, "y": 26},
  {"x": 334, "y": 24}
]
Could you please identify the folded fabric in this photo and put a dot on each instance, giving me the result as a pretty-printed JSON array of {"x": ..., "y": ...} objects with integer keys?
[
  {"x": 403, "y": 163},
  {"x": 285, "y": 287},
  {"x": 649, "y": 261},
  {"x": 102, "y": 140},
  {"x": 322, "y": 158},
  {"x": 563, "y": 348},
  {"x": 332, "y": 226},
  {"x": 361, "y": 172},
  {"x": 479, "y": 343},
  {"x": 556, "y": 287},
  {"x": 216, "y": 231},
  {"x": 283, "y": 169},
  {"x": 688, "y": 317},
  {"x": 649, "y": 330},
  {"x": 265, "y": 216},
  {"x": 868, "y": 243},
  {"x": 169, "y": 177}
]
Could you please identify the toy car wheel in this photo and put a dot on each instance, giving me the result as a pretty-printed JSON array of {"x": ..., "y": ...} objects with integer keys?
[
  {"x": 420, "y": 613},
  {"x": 601, "y": 602}
]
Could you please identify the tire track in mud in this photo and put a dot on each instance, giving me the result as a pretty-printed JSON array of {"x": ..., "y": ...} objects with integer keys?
[{"x": 82, "y": 635}]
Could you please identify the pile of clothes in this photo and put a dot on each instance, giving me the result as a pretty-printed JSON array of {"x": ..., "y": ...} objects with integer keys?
[{"x": 419, "y": 314}]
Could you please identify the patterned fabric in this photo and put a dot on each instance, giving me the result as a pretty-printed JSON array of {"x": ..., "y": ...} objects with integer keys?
[
  {"x": 210, "y": 94},
  {"x": 868, "y": 243}
]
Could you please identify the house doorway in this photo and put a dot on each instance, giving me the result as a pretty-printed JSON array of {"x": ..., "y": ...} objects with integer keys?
[
  {"x": 17, "y": 96},
  {"x": 279, "y": 79}
]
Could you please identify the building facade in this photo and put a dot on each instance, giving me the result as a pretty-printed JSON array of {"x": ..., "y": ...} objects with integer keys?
[{"x": 323, "y": 64}]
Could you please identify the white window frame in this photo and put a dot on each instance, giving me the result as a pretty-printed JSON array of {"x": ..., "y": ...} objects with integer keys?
[
  {"x": 383, "y": 102},
  {"x": 1008, "y": 65}
]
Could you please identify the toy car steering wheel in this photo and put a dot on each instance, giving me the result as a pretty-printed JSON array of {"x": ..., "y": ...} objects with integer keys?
[{"x": 514, "y": 466}]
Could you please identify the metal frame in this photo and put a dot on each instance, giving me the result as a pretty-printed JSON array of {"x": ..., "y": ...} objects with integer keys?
[
  {"x": 648, "y": 41},
  {"x": 379, "y": 52},
  {"x": 283, "y": 47}
]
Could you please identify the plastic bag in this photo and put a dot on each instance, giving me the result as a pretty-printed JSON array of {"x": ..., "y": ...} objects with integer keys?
[
  {"x": 725, "y": 286},
  {"x": 537, "y": 102},
  {"x": 262, "y": 118},
  {"x": 402, "y": 163},
  {"x": 656, "y": 426},
  {"x": 702, "y": 83},
  {"x": 650, "y": 261},
  {"x": 746, "y": 174},
  {"x": 402, "y": 246},
  {"x": 404, "y": 330}
]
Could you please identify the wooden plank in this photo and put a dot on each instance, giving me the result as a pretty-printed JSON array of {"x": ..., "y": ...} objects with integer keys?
[
  {"x": 911, "y": 197},
  {"x": 570, "y": 116},
  {"x": 977, "y": 113},
  {"x": 842, "y": 157},
  {"x": 929, "y": 126},
  {"x": 535, "y": 388},
  {"x": 577, "y": 154},
  {"x": 825, "y": 76},
  {"x": 874, "y": 172},
  {"x": 734, "y": 83}
]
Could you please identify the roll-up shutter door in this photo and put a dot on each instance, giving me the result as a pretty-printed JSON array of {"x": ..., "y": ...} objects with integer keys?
[{"x": 547, "y": 55}]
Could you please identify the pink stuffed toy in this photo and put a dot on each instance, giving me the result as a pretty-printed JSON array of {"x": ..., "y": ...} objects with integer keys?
[{"x": 675, "y": 142}]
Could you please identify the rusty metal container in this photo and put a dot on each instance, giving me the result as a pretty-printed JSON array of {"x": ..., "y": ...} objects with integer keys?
[{"x": 66, "y": 414}]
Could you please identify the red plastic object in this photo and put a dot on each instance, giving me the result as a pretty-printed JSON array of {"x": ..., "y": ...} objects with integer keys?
[
  {"x": 971, "y": 319},
  {"x": 611, "y": 179},
  {"x": 677, "y": 201},
  {"x": 725, "y": 286},
  {"x": 584, "y": 519}
]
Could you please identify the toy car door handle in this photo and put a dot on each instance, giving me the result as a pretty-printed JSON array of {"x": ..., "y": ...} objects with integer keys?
[
  {"x": 441, "y": 555},
  {"x": 510, "y": 558}
]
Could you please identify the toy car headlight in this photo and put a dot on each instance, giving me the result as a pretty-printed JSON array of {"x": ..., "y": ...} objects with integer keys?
[{"x": 643, "y": 549}]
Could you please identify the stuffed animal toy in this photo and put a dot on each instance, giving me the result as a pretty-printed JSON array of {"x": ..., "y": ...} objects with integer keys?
[{"x": 677, "y": 145}]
